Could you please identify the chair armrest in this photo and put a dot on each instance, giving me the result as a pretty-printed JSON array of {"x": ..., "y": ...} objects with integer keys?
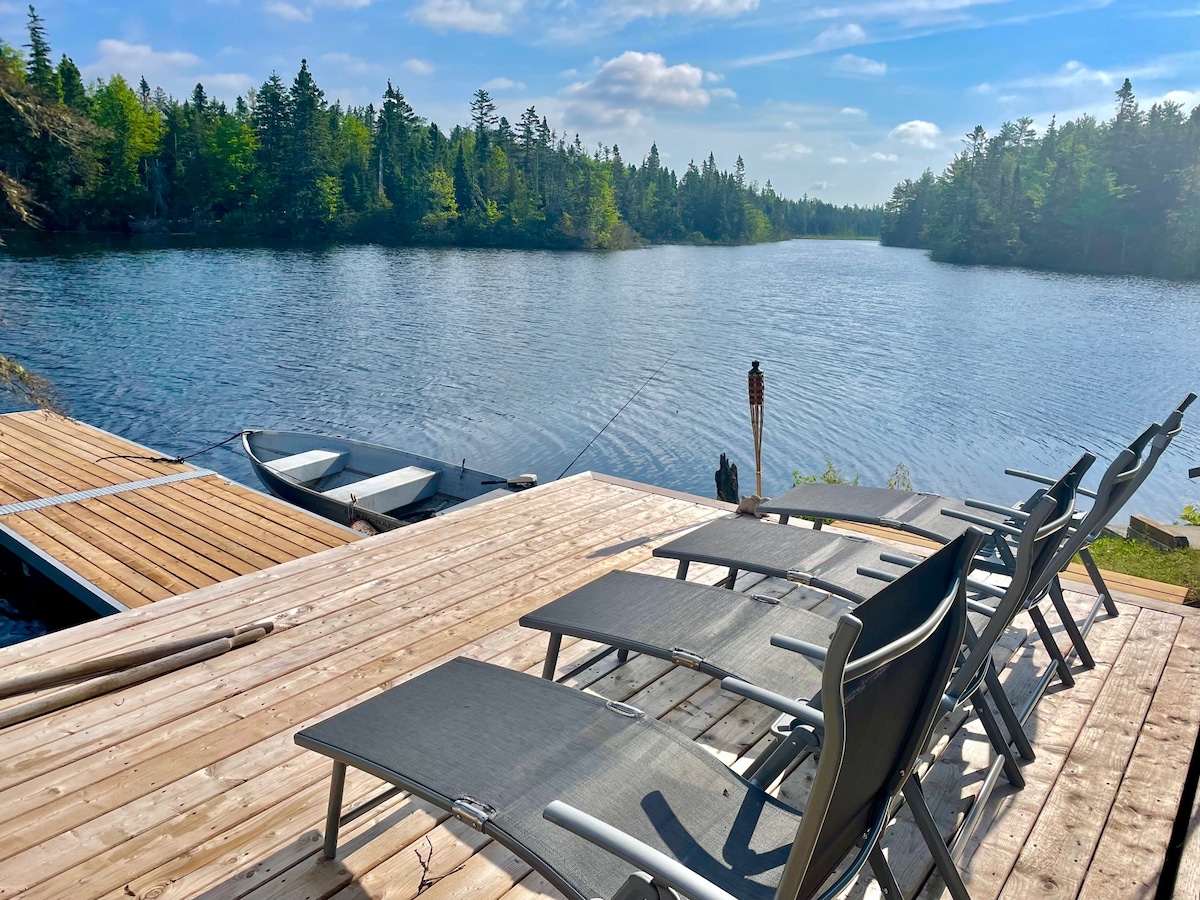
[
  {"x": 877, "y": 574},
  {"x": 984, "y": 588},
  {"x": 981, "y": 608},
  {"x": 999, "y": 508},
  {"x": 1042, "y": 479},
  {"x": 658, "y": 865},
  {"x": 982, "y": 522},
  {"x": 1029, "y": 476},
  {"x": 794, "y": 708},
  {"x": 899, "y": 559},
  {"x": 804, "y": 648}
]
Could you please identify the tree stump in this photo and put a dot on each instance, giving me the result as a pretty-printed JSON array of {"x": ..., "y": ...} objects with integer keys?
[{"x": 727, "y": 481}]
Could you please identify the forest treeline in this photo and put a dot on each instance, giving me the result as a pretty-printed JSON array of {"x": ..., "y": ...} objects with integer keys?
[
  {"x": 284, "y": 162},
  {"x": 1121, "y": 196}
]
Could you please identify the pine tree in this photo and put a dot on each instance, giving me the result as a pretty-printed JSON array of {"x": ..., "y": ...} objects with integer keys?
[{"x": 39, "y": 70}]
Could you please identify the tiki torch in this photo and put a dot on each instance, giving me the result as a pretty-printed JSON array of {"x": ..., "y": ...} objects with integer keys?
[{"x": 755, "y": 380}]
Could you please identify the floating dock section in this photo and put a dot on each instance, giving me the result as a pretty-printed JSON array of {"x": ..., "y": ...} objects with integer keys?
[{"x": 117, "y": 527}]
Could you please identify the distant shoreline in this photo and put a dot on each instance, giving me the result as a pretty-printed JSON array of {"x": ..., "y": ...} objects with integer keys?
[{"x": 24, "y": 240}]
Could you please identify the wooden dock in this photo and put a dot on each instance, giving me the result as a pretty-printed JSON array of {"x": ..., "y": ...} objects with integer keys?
[
  {"x": 190, "y": 785},
  {"x": 102, "y": 518}
]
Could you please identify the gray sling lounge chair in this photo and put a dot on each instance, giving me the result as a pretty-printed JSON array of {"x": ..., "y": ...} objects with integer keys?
[
  {"x": 843, "y": 564},
  {"x": 587, "y": 791},
  {"x": 920, "y": 513},
  {"x": 724, "y": 633},
  {"x": 941, "y": 519}
]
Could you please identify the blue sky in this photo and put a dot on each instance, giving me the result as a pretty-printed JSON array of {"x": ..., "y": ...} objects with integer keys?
[{"x": 838, "y": 99}]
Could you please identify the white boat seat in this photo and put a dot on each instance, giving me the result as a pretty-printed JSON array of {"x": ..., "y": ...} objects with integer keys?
[
  {"x": 391, "y": 490},
  {"x": 310, "y": 465}
]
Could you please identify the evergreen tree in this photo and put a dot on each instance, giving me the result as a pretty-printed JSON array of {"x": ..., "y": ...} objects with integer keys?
[{"x": 40, "y": 72}]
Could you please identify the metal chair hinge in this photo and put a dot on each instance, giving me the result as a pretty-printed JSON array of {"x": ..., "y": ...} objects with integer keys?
[
  {"x": 686, "y": 658},
  {"x": 472, "y": 812},
  {"x": 798, "y": 577}
]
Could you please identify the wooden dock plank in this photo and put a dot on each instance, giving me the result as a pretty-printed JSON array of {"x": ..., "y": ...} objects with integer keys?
[
  {"x": 1056, "y": 856},
  {"x": 149, "y": 544},
  {"x": 357, "y": 627},
  {"x": 118, "y": 563},
  {"x": 50, "y": 824},
  {"x": 1128, "y": 860},
  {"x": 191, "y": 784}
]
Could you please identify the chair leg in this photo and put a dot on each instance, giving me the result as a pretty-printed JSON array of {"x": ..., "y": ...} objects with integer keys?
[
  {"x": 1051, "y": 645},
  {"x": 682, "y": 570},
  {"x": 551, "y": 656},
  {"x": 933, "y": 838},
  {"x": 999, "y": 742},
  {"x": 333, "y": 818},
  {"x": 884, "y": 874},
  {"x": 1011, "y": 720},
  {"x": 1071, "y": 626},
  {"x": 731, "y": 579},
  {"x": 1093, "y": 571}
]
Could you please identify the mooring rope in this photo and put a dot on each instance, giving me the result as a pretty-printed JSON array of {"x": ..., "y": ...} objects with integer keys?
[{"x": 176, "y": 459}]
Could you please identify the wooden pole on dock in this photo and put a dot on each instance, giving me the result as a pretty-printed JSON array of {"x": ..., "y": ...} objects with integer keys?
[
  {"x": 96, "y": 687},
  {"x": 755, "y": 379}
]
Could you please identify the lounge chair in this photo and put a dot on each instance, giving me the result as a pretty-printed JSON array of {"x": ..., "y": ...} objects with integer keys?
[
  {"x": 932, "y": 516},
  {"x": 919, "y": 514},
  {"x": 844, "y": 564},
  {"x": 587, "y": 790}
]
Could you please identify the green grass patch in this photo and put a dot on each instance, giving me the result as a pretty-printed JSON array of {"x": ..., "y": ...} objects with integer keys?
[{"x": 1180, "y": 567}]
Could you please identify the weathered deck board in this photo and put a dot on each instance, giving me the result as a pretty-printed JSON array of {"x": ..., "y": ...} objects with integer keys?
[
  {"x": 140, "y": 544},
  {"x": 191, "y": 785}
]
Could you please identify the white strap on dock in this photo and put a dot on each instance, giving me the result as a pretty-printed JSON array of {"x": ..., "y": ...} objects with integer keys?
[{"x": 60, "y": 499}]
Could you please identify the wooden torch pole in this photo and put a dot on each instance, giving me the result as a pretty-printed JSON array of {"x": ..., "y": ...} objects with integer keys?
[{"x": 755, "y": 380}]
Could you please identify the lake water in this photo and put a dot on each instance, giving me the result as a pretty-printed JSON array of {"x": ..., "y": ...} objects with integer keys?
[{"x": 514, "y": 360}]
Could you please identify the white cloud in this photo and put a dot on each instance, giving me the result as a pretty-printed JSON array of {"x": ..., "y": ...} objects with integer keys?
[
  {"x": 1071, "y": 74},
  {"x": 788, "y": 151},
  {"x": 910, "y": 12},
  {"x": 853, "y": 111},
  {"x": 479, "y": 16},
  {"x": 917, "y": 133},
  {"x": 226, "y": 84},
  {"x": 717, "y": 9},
  {"x": 821, "y": 185},
  {"x": 137, "y": 60},
  {"x": 568, "y": 73},
  {"x": 417, "y": 66},
  {"x": 724, "y": 93},
  {"x": 837, "y": 36},
  {"x": 838, "y": 160},
  {"x": 289, "y": 13},
  {"x": 633, "y": 82},
  {"x": 883, "y": 157},
  {"x": 504, "y": 84},
  {"x": 859, "y": 65},
  {"x": 351, "y": 65}
]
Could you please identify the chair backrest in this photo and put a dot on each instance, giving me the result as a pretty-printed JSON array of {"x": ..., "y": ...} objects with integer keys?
[
  {"x": 1043, "y": 532},
  {"x": 879, "y": 702},
  {"x": 1171, "y": 426},
  {"x": 1120, "y": 482}
]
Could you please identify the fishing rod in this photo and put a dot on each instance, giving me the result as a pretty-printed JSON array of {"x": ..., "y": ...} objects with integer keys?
[{"x": 617, "y": 413}]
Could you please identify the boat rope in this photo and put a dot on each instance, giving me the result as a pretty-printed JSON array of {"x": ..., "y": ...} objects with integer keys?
[
  {"x": 176, "y": 459},
  {"x": 617, "y": 413}
]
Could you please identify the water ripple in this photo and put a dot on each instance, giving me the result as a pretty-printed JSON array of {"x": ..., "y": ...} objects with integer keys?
[{"x": 515, "y": 360}]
